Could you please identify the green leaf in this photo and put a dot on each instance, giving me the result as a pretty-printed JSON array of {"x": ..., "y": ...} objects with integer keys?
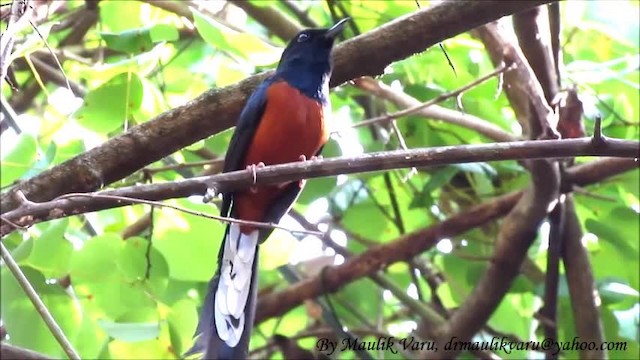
[
  {"x": 437, "y": 179},
  {"x": 118, "y": 16},
  {"x": 97, "y": 255},
  {"x": 51, "y": 251},
  {"x": 245, "y": 45},
  {"x": 140, "y": 40},
  {"x": 130, "y": 332},
  {"x": 106, "y": 108},
  {"x": 133, "y": 264},
  {"x": 440, "y": 178},
  {"x": 189, "y": 243},
  {"x": 163, "y": 32},
  {"x": 157, "y": 348},
  {"x": 101, "y": 284},
  {"x": 18, "y": 311},
  {"x": 90, "y": 339},
  {"x": 315, "y": 189},
  {"x": 366, "y": 219},
  {"x": 366, "y": 294},
  {"x": 68, "y": 150},
  {"x": 19, "y": 159},
  {"x": 621, "y": 230},
  {"x": 514, "y": 314},
  {"x": 182, "y": 319},
  {"x": 32, "y": 43},
  {"x": 613, "y": 291},
  {"x": 152, "y": 102}
]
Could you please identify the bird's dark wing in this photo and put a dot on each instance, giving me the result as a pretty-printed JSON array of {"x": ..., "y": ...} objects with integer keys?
[{"x": 245, "y": 129}]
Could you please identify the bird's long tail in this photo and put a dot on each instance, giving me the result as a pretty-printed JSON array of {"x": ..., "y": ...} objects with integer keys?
[{"x": 226, "y": 318}]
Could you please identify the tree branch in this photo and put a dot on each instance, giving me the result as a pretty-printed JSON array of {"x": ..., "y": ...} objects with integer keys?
[
  {"x": 8, "y": 351},
  {"x": 520, "y": 227},
  {"x": 378, "y": 257},
  {"x": 18, "y": 19},
  {"x": 30, "y": 212},
  {"x": 82, "y": 20},
  {"x": 498, "y": 71},
  {"x": 596, "y": 171},
  {"x": 517, "y": 233},
  {"x": 278, "y": 23},
  {"x": 405, "y": 101},
  {"x": 407, "y": 247},
  {"x": 581, "y": 283},
  {"x": 534, "y": 36},
  {"x": 524, "y": 92},
  {"x": 217, "y": 109}
]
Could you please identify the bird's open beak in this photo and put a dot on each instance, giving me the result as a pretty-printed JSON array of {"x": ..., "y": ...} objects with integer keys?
[{"x": 336, "y": 29}]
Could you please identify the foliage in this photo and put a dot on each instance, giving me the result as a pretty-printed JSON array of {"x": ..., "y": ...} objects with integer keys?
[{"x": 140, "y": 61}]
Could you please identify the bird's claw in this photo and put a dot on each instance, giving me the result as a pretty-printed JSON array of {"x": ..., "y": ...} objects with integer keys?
[
  {"x": 210, "y": 194},
  {"x": 252, "y": 168},
  {"x": 304, "y": 158},
  {"x": 315, "y": 157}
]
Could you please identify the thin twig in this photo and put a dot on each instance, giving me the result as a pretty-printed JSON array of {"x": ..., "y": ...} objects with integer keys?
[
  {"x": 444, "y": 51},
  {"x": 582, "y": 191},
  {"x": 46, "y": 43},
  {"x": 10, "y": 115},
  {"x": 2, "y": 218},
  {"x": 502, "y": 68},
  {"x": 597, "y": 130},
  {"x": 37, "y": 303},
  {"x": 263, "y": 225},
  {"x": 403, "y": 146},
  {"x": 18, "y": 17}
]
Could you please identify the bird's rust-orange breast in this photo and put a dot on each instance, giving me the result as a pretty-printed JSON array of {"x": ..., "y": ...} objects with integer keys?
[{"x": 292, "y": 125}]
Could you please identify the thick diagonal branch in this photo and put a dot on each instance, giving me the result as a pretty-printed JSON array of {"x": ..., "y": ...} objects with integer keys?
[
  {"x": 519, "y": 229},
  {"x": 524, "y": 92},
  {"x": 534, "y": 36}
]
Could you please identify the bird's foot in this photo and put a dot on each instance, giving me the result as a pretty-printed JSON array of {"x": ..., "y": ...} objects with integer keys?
[
  {"x": 304, "y": 158},
  {"x": 313, "y": 158},
  {"x": 252, "y": 168}
]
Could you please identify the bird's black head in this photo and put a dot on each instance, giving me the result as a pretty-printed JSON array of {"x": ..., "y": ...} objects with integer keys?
[{"x": 306, "y": 62}]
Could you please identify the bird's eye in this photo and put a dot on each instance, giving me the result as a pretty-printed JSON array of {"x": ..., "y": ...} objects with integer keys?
[{"x": 303, "y": 37}]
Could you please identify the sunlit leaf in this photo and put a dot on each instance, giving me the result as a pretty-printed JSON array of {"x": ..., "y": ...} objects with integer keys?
[
  {"x": 52, "y": 241},
  {"x": 130, "y": 332},
  {"x": 140, "y": 40},
  {"x": 18, "y": 160},
  {"x": 110, "y": 105},
  {"x": 245, "y": 45}
]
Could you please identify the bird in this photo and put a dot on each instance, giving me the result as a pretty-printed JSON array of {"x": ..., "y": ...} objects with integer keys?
[{"x": 284, "y": 120}]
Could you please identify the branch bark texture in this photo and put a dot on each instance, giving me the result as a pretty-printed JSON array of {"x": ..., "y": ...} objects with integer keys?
[
  {"x": 581, "y": 283},
  {"x": 31, "y": 212}
]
